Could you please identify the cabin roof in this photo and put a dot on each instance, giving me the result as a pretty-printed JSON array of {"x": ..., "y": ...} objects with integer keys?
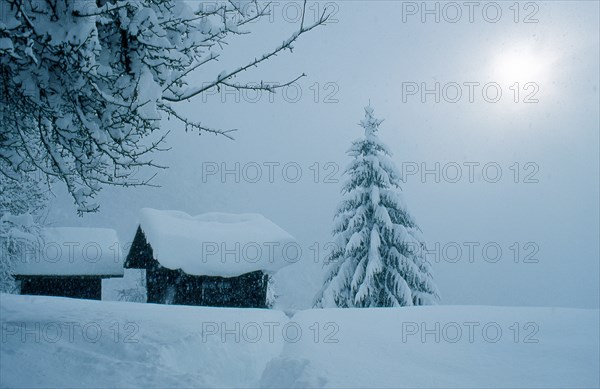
[
  {"x": 217, "y": 244},
  {"x": 70, "y": 251}
]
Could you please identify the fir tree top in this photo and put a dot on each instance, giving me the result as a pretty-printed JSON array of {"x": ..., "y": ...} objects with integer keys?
[{"x": 370, "y": 123}]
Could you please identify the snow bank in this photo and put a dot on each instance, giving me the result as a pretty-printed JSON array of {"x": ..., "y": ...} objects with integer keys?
[
  {"x": 217, "y": 244},
  {"x": 115, "y": 344},
  {"x": 442, "y": 347},
  {"x": 52, "y": 342},
  {"x": 68, "y": 251}
]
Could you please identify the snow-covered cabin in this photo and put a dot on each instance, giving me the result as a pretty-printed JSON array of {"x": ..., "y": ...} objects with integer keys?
[
  {"x": 213, "y": 259},
  {"x": 70, "y": 262}
]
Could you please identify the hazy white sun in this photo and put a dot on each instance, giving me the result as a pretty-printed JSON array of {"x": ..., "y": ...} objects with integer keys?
[{"x": 519, "y": 66}]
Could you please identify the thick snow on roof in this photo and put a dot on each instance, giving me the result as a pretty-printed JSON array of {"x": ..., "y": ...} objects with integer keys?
[
  {"x": 217, "y": 244},
  {"x": 70, "y": 251}
]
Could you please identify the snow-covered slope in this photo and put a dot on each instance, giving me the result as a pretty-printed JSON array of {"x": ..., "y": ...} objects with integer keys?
[
  {"x": 475, "y": 347},
  {"x": 59, "y": 342},
  {"x": 126, "y": 345}
]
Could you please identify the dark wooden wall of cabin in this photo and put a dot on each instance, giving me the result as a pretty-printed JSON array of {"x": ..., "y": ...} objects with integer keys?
[
  {"x": 246, "y": 291},
  {"x": 166, "y": 286},
  {"x": 76, "y": 287}
]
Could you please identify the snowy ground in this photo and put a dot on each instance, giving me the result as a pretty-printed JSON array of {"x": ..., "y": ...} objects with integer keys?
[{"x": 58, "y": 342}]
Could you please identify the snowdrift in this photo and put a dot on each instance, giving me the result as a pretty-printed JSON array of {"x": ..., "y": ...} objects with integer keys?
[{"x": 60, "y": 342}]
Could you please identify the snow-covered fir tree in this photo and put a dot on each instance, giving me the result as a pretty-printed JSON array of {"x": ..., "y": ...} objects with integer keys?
[{"x": 379, "y": 259}]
